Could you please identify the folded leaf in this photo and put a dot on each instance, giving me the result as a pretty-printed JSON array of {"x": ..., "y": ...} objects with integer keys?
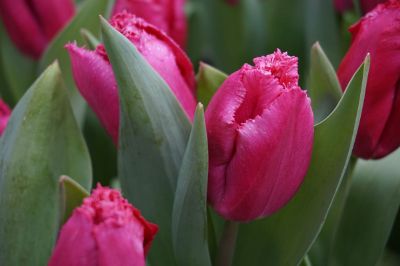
[
  {"x": 208, "y": 81},
  {"x": 189, "y": 217},
  {"x": 42, "y": 141},
  {"x": 72, "y": 195},
  {"x": 154, "y": 131},
  {"x": 323, "y": 84}
]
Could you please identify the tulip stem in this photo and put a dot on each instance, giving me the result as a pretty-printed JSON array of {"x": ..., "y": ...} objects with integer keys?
[{"x": 227, "y": 244}]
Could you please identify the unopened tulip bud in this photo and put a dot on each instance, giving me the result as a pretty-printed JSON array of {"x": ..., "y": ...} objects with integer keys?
[
  {"x": 31, "y": 24},
  {"x": 167, "y": 15},
  {"x": 95, "y": 79},
  {"x": 377, "y": 33},
  {"x": 260, "y": 134},
  {"x": 105, "y": 230}
]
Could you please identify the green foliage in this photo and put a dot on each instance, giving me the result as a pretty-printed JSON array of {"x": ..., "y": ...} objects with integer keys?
[
  {"x": 42, "y": 142},
  {"x": 189, "y": 216},
  {"x": 154, "y": 131}
]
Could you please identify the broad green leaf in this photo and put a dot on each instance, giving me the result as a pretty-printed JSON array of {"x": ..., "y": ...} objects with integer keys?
[
  {"x": 208, "y": 81},
  {"x": 285, "y": 237},
  {"x": 319, "y": 252},
  {"x": 323, "y": 85},
  {"x": 88, "y": 18},
  {"x": 189, "y": 216},
  {"x": 18, "y": 70},
  {"x": 154, "y": 131},
  {"x": 369, "y": 213},
  {"x": 72, "y": 195},
  {"x": 42, "y": 142}
]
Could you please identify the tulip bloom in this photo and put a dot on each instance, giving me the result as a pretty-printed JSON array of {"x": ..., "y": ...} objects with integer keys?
[
  {"x": 167, "y": 15},
  {"x": 260, "y": 134},
  {"x": 377, "y": 33},
  {"x": 105, "y": 230},
  {"x": 95, "y": 79},
  {"x": 5, "y": 114},
  {"x": 31, "y": 24}
]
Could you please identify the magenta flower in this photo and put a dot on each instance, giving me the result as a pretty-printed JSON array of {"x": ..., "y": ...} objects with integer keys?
[
  {"x": 105, "y": 230},
  {"x": 31, "y": 24},
  {"x": 260, "y": 134},
  {"x": 95, "y": 79},
  {"x": 167, "y": 15},
  {"x": 377, "y": 33},
  {"x": 5, "y": 114}
]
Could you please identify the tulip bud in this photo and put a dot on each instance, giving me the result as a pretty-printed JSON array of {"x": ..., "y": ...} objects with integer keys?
[
  {"x": 105, "y": 230},
  {"x": 32, "y": 24},
  {"x": 377, "y": 33},
  {"x": 260, "y": 134},
  {"x": 5, "y": 114},
  {"x": 95, "y": 79},
  {"x": 166, "y": 15}
]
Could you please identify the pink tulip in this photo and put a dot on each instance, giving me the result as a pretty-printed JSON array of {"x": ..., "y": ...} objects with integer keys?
[
  {"x": 377, "y": 33},
  {"x": 105, "y": 230},
  {"x": 5, "y": 114},
  {"x": 31, "y": 24},
  {"x": 95, "y": 79},
  {"x": 260, "y": 134},
  {"x": 167, "y": 15}
]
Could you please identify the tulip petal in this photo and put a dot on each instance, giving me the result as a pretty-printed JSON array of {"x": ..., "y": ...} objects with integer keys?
[
  {"x": 96, "y": 82},
  {"x": 22, "y": 27},
  {"x": 169, "y": 16},
  {"x": 75, "y": 245},
  {"x": 272, "y": 155},
  {"x": 163, "y": 54},
  {"x": 373, "y": 34},
  {"x": 5, "y": 113},
  {"x": 127, "y": 244},
  {"x": 52, "y": 15}
]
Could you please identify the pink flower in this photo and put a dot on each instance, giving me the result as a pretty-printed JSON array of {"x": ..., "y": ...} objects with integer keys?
[
  {"x": 5, "y": 114},
  {"x": 377, "y": 33},
  {"x": 31, "y": 24},
  {"x": 95, "y": 79},
  {"x": 260, "y": 134},
  {"x": 105, "y": 230},
  {"x": 167, "y": 15}
]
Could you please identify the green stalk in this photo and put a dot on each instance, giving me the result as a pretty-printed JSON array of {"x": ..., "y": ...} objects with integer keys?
[{"x": 227, "y": 244}]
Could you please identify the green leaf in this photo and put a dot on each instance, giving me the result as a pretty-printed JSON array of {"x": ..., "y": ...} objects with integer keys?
[
  {"x": 369, "y": 213},
  {"x": 208, "y": 81},
  {"x": 319, "y": 252},
  {"x": 323, "y": 85},
  {"x": 72, "y": 195},
  {"x": 285, "y": 237},
  {"x": 90, "y": 40},
  {"x": 88, "y": 18},
  {"x": 18, "y": 70},
  {"x": 42, "y": 142},
  {"x": 154, "y": 131},
  {"x": 189, "y": 216}
]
